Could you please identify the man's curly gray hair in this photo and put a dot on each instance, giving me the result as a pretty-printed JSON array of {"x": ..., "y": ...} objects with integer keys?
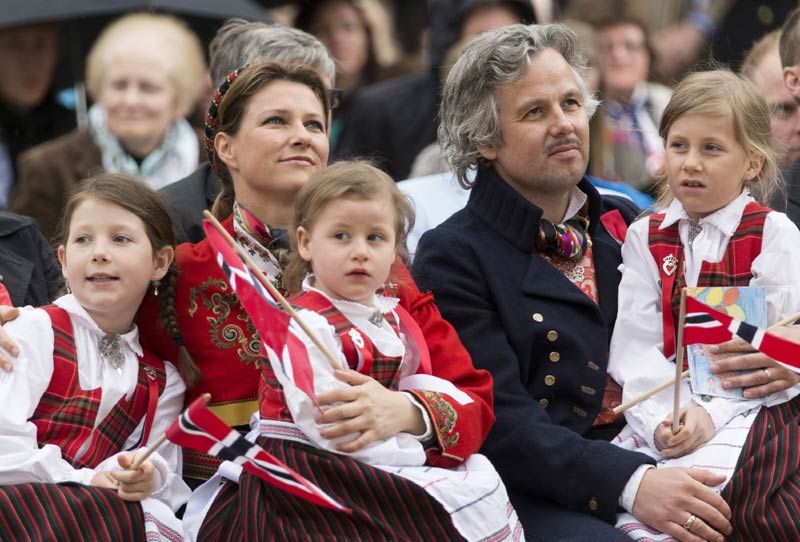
[{"x": 470, "y": 110}]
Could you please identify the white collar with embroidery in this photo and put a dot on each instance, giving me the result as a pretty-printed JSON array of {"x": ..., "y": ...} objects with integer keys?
[
  {"x": 726, "y": 219},
  {"x": 78, "y": 313},
  {"x": 383, "y": 303}
]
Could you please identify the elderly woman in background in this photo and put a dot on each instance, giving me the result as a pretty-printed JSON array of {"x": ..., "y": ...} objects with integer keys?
[
  {"x": 144, "y": 73},
  {"x": 632, "y": 105}
]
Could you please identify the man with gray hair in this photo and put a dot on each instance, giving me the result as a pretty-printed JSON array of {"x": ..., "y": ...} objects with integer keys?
[
  {"x": 527, "y": 274},
  {"x": 236, "y": 44}
]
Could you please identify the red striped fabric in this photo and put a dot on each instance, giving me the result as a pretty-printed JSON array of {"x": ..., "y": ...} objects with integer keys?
[
  {"x": 384, "y": 506},
  {"x": 764, "y": 493},
  {"x": 67, "y": 512}
]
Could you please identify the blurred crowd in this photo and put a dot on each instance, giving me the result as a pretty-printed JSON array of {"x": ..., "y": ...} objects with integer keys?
[{"x": 134, "y": 101}]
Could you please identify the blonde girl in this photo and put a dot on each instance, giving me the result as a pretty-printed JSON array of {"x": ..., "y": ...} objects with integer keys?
[
  {"x": 712, "y": 230},
  {"x": 84, "y": 398}
]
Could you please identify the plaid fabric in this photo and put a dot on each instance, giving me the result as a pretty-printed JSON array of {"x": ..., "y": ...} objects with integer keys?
[
  {"x": 732, "y": 270},
  {"x": 382, "y": 368},
  {"x": 385, "y": 506},
  {"x": 74, "y": 512},
  {"x": 764, "y": 493},
  {"x": 66, "y": 413}
]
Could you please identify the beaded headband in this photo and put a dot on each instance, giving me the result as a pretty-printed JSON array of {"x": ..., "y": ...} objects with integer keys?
[{"x": 211, "y": 124}]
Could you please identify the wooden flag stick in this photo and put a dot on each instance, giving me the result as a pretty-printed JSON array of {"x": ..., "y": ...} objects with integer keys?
[
  {"x": 676, "y": 422},
  {"x": 647, "y": 395},
  {"x": 272, "y": 290},
  {"x": 157, "y": 444},
  {"x": 664, "y": 385}
]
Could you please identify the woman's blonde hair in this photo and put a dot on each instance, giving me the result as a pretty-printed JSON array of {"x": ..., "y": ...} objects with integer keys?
[
  {"x": 179, "y": 45},
  {"x": 722, "y": 92},
  {"x": 355, "y": 179}
]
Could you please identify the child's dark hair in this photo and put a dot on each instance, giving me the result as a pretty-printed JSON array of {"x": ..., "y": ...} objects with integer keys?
[
  {"x": 136, "y": 197},
  {"x": 355, "y": 179}
]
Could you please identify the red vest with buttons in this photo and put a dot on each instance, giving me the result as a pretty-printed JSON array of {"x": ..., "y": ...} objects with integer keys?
[
  {"x": 734, "y": 269},
  {"x": 66, "y": 413}
]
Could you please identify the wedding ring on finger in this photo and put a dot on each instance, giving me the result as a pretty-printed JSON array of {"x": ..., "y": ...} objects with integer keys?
[
  {"x": 768, "y": 374},
  {"x": 689, "y": 522}
]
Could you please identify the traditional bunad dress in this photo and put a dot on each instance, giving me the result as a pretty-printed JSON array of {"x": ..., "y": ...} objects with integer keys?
[
  {"x": 742, "y": 244},
  {"x": 76, "y": 398},
  {"x": 393, "y": 493},
  {"x": 225, "y": 346}
]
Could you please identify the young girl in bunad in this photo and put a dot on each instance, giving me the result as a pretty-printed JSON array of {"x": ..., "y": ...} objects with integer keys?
[
  {"x": 384, "y": 417},
  {"x": 712, "y": 231},
  {"x": 84, "y": 399}
]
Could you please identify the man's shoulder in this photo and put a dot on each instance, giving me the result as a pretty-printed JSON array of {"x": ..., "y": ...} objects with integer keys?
[
  {"x": 194, "y": 183},
  {"x": 11, "y": 223}
]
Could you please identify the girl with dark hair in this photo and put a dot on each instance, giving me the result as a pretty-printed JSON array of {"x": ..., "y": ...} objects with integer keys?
[{"x": 84, "y": 398}]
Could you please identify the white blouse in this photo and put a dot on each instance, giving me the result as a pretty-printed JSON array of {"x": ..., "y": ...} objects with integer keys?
[
  {"x": 22, "y": 459},
  {"x": 636, "y": 358},
  {"x": 400, "y": 449}
]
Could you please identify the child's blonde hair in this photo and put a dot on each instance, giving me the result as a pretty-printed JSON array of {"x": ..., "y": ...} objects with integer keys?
[
  {"x": 722, "y": 92},
  {"x": 355, "y": 179}
]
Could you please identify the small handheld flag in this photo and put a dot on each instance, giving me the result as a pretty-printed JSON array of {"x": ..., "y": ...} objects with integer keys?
[
  {"x": 709, "y": 326},
  {"x": 199, "y": 429},
  {"x": 271, "y": 322}
]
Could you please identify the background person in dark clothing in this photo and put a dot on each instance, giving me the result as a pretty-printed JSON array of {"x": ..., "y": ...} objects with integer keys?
[
  {"x": 392, "y": 121},
  {"x": 29, "y": 113}
]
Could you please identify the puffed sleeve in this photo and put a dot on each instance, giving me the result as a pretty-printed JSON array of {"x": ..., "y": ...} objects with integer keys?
[
  {"x": 460, "y": 428},
  {"x": 22, "y": 460}
]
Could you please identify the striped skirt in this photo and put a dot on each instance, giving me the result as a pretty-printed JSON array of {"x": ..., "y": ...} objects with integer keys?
[
  {"x": 764, "y": 492},
  {"x": 385, "y": 506},
  {"x": 73, "y": 512}
]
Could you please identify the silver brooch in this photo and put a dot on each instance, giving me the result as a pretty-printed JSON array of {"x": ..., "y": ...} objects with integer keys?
[
  {"x": 356, "y": 337},
  {"x": 111, "y": 351},
  {"x": 376, "y": 318},
  {"x": 670, "y": 264},
  {"x": 694, "y": 230}
]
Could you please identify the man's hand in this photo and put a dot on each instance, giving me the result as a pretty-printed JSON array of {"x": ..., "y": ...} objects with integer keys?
[
  {"x": 696, "y": 428},
  {"x": 757, "y": 382},
  {"x": 668, "y": 497},
  {"x": 7, "y": 313}
]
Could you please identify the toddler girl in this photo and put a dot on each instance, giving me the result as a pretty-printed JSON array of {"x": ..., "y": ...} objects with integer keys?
[{"x": 372, "y": 443}]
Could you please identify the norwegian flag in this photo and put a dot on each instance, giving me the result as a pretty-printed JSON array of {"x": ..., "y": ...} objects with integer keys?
[
  {"x": 706, "y": 325},
  {"x": 271, "y": 322},
  {"x": 199, "y": 429}
]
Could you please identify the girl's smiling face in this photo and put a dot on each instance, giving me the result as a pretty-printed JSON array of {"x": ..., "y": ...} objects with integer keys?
[
  {"x": 706, "y": 165},
  {"x": 109, "y": 262}
]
